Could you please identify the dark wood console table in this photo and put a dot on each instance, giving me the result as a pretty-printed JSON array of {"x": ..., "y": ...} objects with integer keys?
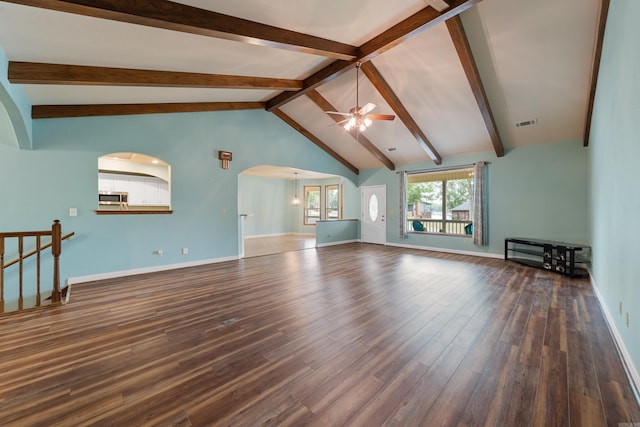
[{"x": 559, "y": 257}]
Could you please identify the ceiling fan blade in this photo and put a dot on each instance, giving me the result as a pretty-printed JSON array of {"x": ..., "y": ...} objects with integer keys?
[
  {"x": 338, "y": 113},
  {"x": 341, "y": 122},
  {"x": 368, "y": 107},
  {"x": 380, "y": 116}
]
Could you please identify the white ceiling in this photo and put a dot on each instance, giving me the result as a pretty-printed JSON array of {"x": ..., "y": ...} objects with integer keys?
[{"x": 534, "y": 59}]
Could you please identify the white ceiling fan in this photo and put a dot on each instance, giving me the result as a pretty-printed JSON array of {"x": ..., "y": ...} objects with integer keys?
[{"x": 358, "y": 118}]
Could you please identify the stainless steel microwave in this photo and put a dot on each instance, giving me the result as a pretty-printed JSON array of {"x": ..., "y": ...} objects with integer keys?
[{"x": 113, "y": 198}]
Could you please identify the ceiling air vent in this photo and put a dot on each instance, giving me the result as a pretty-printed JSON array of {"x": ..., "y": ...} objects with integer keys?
[{"x": 526, "y": 123}]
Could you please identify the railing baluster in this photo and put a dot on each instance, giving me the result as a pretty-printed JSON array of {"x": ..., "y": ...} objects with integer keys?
[
  {"x": 56, "y": 249},
  {"x": 20, "y": 250},
  {"x": 38, "y": 302}
]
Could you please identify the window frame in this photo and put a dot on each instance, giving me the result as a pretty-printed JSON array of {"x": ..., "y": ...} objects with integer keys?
[
  {"x": 327, "y": 209},
  {"x": 449, "y": 227},
  {"x": 305, "y": 217}
]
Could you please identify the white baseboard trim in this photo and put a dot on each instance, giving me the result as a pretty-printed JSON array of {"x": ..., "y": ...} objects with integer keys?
[
  {"x": 449, "y": 251},
  {"x": 627, "y": 361},
  {"x": 341, "y": 242},
  {"x": 123, "y": 273},
  {"x": 256, "y": 236}
]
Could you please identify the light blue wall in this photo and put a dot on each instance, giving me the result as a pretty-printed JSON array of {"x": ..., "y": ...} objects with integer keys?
[
  {"x": 267, "y": 202},
  {"x": 538, "y": 191},
  {"x": 331, "y": 232},
  {"x": 40, "y": 185},
  {"x": 615, "y": 174}
]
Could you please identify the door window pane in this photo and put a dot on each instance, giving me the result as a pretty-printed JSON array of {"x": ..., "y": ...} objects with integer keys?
[{"x": 373, "y": 207}]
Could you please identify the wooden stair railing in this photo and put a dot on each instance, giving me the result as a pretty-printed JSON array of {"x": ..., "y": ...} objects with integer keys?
[{"x": 56, "y": 249}]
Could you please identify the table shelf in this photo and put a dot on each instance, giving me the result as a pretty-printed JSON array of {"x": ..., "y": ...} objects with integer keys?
[{"x": 560, "y": 257}]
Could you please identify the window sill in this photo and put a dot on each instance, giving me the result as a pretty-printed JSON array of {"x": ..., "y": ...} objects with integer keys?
[{"x": 135, "y": 212}]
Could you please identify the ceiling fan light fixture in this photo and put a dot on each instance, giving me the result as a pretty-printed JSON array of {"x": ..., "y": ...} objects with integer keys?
[
  {"x": 357, "y": 123},
  {"x": 359, "y": 117},
  {"x": 351, "y": 123}
]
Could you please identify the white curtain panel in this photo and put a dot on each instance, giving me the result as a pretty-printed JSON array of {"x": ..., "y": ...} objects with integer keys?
[
  {"x": 480, "y": 237},
  {"x": 403, "y": 205}
]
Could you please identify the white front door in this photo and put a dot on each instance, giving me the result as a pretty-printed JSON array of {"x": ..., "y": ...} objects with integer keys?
[{"x": 374, "y": 209}]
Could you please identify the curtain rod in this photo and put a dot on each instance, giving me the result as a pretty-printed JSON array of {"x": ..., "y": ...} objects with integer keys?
[{"x": 447, "y": 168}]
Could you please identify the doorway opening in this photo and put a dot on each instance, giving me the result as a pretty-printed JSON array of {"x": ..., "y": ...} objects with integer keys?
[{"x": 275, "y": 206}]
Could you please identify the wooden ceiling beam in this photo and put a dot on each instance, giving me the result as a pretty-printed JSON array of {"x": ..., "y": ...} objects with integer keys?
[
  {"x": 309, "y": 84},
  {"x": 325, "y": 105},
  {"x": 92, "y": 110},
  {"x": 61, "y": 74},
  {"x": 168, "y": 15},
  {"x": 311, "y": 137},
  {"x": 413, "y": 25},
  {"x": 396, "y": 105},
  {"x": 461, "y": 43},
  {"x": 406, "y": 29},
  {"x": 595, "y": 69}
]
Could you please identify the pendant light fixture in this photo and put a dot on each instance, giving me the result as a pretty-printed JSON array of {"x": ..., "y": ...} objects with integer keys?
[{"x": 295, "y": 201}]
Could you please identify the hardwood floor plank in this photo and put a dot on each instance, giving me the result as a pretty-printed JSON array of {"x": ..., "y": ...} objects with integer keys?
[
  {"x": 532, "y": 343},
  {"x": 447, "y": 409},
  {"x": 552, "y": 398},
  {"x": 414, "y": 407},
  {"x": 344, "y": 408},
  {"x": 388, "y": 399},
  {"x": 337, "y": 384},
  {"x": 518, "y": 409},
  {"x": 487, "y": 399},
  {"x": 222, "y": 407},
  {"x": 582, "y": 374},
  {"x": 585, "y": 411},
  {"x": 354, "y": 334}
]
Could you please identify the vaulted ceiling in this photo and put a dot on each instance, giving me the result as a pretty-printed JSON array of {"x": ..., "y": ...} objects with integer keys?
[{"x": 457, "y": 74}]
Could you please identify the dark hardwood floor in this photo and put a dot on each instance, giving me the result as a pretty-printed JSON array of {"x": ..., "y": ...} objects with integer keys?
[{"x": 359, "y": 335}]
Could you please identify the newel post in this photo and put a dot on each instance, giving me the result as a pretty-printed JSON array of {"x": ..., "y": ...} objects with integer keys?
[{"x": 56, "y": 248}]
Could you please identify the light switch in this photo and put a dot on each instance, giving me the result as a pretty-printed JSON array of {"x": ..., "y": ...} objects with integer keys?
[{"x": 73, "y": 211}]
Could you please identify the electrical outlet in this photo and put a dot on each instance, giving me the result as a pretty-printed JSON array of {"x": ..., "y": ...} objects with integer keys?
[
  {"x": 185, "y": 251},
  {"x": 73, "y": 211}
]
